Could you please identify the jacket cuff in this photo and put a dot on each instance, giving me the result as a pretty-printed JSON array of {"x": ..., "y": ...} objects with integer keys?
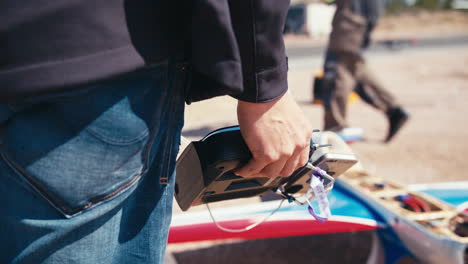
[{"x": 267, "y": 85}]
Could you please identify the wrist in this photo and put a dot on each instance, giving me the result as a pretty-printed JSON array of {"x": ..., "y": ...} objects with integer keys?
[{"x": 260, "y": 105}]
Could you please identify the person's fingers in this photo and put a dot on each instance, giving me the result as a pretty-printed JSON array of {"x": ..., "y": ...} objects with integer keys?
[
  {"x": 253, "y": 167},
  {"x": 291, "y": 165},
  {"x": 274, "y": 169},
  {"x": 297, "y": 160},
  {"x": 268, "y": 163},
  {"x": 304, "y": 156}
]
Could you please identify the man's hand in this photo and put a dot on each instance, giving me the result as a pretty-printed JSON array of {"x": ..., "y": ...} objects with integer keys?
[{"x": 278, "y": 135}]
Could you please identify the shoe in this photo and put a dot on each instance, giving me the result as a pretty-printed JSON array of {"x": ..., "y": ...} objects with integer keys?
[
  {"x": 351, "y": 134},
  {"x": 397, "y": 117}
]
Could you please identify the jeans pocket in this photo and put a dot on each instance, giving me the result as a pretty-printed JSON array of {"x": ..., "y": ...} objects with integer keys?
[{"x": 81, "y": 151}]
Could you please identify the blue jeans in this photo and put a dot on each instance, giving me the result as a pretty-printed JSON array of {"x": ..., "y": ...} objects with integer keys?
[{"x": 88, "y": 176}]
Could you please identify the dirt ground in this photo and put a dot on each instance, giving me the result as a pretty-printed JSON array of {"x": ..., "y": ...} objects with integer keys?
[
  {"x": 433, "y": 86},
  {"x": 431, "y": 83}
]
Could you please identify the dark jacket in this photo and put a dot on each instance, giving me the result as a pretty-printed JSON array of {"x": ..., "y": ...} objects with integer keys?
[
  {"x": 232, "y": 47},
  {"x": 370, "y": 9}
]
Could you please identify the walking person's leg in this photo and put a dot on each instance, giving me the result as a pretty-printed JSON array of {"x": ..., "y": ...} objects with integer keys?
[
  {"x": 340, "y": 85},
  {"x": 372, "y": 92},
  {"x": 344, "y": 43}
]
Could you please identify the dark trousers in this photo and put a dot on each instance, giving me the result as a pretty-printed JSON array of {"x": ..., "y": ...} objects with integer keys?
[
  {"x": 345, "y": 69},
  {"x": 351, "y": 73}
]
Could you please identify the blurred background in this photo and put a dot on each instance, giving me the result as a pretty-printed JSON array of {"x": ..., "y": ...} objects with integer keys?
[{"x": 420, "y": 53}]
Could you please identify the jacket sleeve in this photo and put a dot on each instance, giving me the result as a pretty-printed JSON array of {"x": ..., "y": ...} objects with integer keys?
[{"x": 258, "y": 26}]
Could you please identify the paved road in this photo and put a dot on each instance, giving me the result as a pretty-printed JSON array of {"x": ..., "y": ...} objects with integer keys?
[
  {"x": 382, "y": 47},
  {"x": 306, "y": 57}
]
